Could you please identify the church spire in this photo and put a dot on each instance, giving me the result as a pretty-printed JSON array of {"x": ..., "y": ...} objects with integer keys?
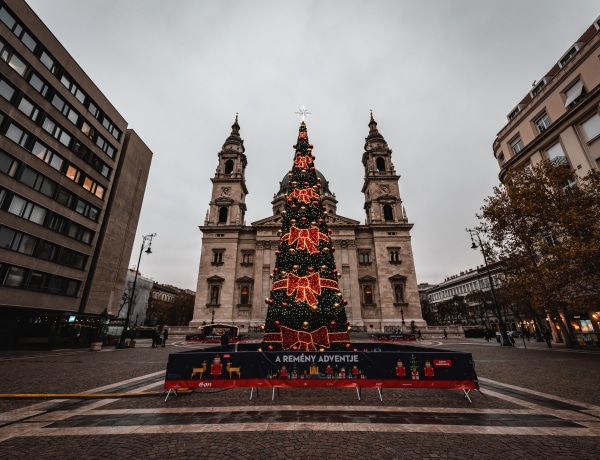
[
  {"x": 374, "y": 133},
  {"x": 382, "y": 194},
  {"x": 234, "y": 137},
  {"x": 228, "y": 202},
  {"x": 373, "y": 125},
  {"x": 235, "y": 127}
]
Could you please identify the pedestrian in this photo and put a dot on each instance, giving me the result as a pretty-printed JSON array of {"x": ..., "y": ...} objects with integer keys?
[
  {"x": 445, "y": 334},
  {"x": 224, "y": 339},
  {"x": 419, "y": 334},
  {"x": 155, "y": 339},
  {"x": 486, "y": 336},
  {"x": 527, "y": 334},
  {"x": 548, "y": 338},
  {"x": 165, "y": 337}
]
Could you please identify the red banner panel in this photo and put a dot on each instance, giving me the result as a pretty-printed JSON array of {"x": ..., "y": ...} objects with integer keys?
[{"x": 390, "y": 366}]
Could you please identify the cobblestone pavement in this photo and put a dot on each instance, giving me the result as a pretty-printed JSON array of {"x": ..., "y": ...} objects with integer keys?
[{"x": 535, "y": 403}]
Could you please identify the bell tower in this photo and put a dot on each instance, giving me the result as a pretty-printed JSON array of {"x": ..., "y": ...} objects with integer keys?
[
  {"x": 387, "y": 277},
  {"x": 219, "y": 279},
  {"x": 228, "y": 200},
  {"x": 382, "y": 194}
]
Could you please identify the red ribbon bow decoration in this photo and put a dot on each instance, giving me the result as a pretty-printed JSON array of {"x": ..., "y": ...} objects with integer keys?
[
  {"x": 305, "y": 195},
  {"x": 305, "y": 286},
  {"x": 308, "y": 238},
  {"x": 306, "y": 341},
  {"x": 303, "y": 162}
]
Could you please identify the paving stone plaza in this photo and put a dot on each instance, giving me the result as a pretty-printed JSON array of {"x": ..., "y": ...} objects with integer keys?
[{"x": 535, "y": 403}]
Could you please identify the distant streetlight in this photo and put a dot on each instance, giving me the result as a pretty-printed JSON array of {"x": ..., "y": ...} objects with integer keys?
[
  {"x": 148, "y": 238},
  {"x": 505, "y": 340}
]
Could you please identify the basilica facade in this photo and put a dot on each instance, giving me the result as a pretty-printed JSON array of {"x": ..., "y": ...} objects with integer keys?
[{"x": 374, "y": 259}]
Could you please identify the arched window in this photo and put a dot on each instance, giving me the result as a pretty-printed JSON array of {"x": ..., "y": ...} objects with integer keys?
[
  {"x": 380, "y": 163},
  {"x": 368, "y": 294},
  {"x": 388, "y": 213},
  {"x": 228, "y": 166},
  {"x": 245, "y": 294},
  {"x": 223, "y": 215}
]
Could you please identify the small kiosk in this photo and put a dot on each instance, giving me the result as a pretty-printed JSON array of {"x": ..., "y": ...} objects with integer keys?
[{"x": 212, "y": 333}]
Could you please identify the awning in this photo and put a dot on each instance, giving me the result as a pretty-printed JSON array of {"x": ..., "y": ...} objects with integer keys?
[{"x": 573, "y": 93}]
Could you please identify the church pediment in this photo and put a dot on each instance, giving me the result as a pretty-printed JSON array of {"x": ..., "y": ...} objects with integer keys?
[
  {"x": 224, "y": 200},
  {"x": 386, "y": 198},
  {"x": 367, "y": 279},
  {"x": 333, "y": 221},
  {"x": 340, "y": 221},
  {"x": 244, "y": 279},
  {"x": 397, "y": 278},
  {"x": 268, "y": 222},
  {"x": 215, "y": 279}
]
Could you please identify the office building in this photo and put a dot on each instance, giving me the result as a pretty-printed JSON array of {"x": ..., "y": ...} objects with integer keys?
[{"x": 72, "y": 181}]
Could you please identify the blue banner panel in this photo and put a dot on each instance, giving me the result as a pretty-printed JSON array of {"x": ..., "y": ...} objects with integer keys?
[{"x": 388, "y": 367}]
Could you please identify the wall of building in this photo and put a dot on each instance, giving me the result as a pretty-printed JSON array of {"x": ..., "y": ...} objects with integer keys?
[{"x": 118, "y": 232}]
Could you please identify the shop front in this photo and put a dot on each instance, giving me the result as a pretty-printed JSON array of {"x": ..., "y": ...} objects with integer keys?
[{"x": 586, "y": 328}]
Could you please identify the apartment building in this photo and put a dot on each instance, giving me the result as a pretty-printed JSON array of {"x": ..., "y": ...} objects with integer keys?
[
  {"x": 558, "y": 118},
  {"x": 475, "y": 281}
]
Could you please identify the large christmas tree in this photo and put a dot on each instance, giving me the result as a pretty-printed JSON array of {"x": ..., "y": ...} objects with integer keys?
[{"x": 306, "y": 308}]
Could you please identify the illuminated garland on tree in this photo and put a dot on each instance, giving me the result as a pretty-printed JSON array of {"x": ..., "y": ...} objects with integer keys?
[{"x": 304, "y": 305}]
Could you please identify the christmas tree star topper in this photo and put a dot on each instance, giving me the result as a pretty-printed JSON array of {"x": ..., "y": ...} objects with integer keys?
[{"x": 303, "y": 112}]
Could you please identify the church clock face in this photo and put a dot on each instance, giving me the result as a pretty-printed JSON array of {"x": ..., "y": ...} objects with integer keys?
[
  {"x": 225, "y": 191},
  {"x": 384, "y": 189}
]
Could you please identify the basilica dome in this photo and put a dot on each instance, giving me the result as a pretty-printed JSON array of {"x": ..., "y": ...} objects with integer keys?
[
  {"x": 284, "y": 184},
  {"x": 327, "y": 197}
]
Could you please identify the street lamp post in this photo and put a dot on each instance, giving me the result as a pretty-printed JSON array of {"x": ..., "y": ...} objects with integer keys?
[
  {"x": 148, "y": 238},
  {"x": 518, "y": 318},
  {"x": 504, "y": 336},
  {"x": 403, "y": 323}
]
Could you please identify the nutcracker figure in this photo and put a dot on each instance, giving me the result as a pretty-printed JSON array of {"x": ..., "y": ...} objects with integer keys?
[
  {"x": 400, "y": 369},
  {"x": 428, "y": 370},
  {"x": 216, "y": 368},
  {"x": 283, "y": 373}
]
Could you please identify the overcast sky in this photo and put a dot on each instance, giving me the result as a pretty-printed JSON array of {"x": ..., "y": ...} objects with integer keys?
[{"x": 440, "y": 77}]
